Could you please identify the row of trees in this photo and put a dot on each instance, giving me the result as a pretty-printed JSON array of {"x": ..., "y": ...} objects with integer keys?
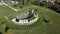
[
  {"x": 55, "y": 6},
  {"x": 28, "y": 2}
]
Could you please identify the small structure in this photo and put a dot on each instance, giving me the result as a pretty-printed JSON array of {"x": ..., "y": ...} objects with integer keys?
[{"x": 14, "y": 2}]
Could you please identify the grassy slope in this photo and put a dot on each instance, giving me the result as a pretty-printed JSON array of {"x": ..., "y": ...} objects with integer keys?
[
  {"x": 5, "y": 11},
  {"x": 51, "y": 28},
  {"x": 13, "y": 26}
]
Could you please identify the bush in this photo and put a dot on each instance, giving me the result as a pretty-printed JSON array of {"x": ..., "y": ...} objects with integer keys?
[
  {"x": 21, "y": 7},
  {"x": 58, "y": 10},
  {"x": 54, "y": 8},
  {"x": 0, "y": 32},
  {"x": 6, "y": 29},
  {"x": 41, "y": 4},
  {"x": 2, "y": 23},
  {"x": 46, "y": 20}
]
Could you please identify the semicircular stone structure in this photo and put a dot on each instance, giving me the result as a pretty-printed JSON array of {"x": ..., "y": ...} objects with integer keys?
[{"x": 20, "y": 21}]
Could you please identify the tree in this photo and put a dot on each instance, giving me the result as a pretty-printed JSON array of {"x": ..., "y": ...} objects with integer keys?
[{"x": 0, "y": 32}]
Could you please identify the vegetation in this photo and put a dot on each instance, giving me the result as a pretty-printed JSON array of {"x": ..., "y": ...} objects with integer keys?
[{"x": 55, "y": 7}]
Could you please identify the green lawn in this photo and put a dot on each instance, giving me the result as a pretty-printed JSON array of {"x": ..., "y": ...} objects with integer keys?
[{"x": 40, "y": 27}]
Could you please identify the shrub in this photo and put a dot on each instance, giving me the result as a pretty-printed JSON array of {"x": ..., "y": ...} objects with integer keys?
[
  {"x": 0, "y": 32},
  {"x": 41, "y": 4},
  {"x": 46, "y": 20},
  {"x": 6, "y": 29},
  {"x": 58, "y": 10}
]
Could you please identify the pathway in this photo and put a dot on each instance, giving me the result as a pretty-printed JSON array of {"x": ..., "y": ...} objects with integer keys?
[{"x": 9, "y": 6}]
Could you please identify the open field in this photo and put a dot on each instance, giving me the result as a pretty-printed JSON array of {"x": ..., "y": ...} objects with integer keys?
[{"x": 40, "y": 27}]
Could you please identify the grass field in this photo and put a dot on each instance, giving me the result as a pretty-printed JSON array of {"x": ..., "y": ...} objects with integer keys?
[{"x": 40, "y": 27}]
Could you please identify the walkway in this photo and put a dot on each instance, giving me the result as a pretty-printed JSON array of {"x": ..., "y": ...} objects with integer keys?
[{"x": 9, "y": 6}]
